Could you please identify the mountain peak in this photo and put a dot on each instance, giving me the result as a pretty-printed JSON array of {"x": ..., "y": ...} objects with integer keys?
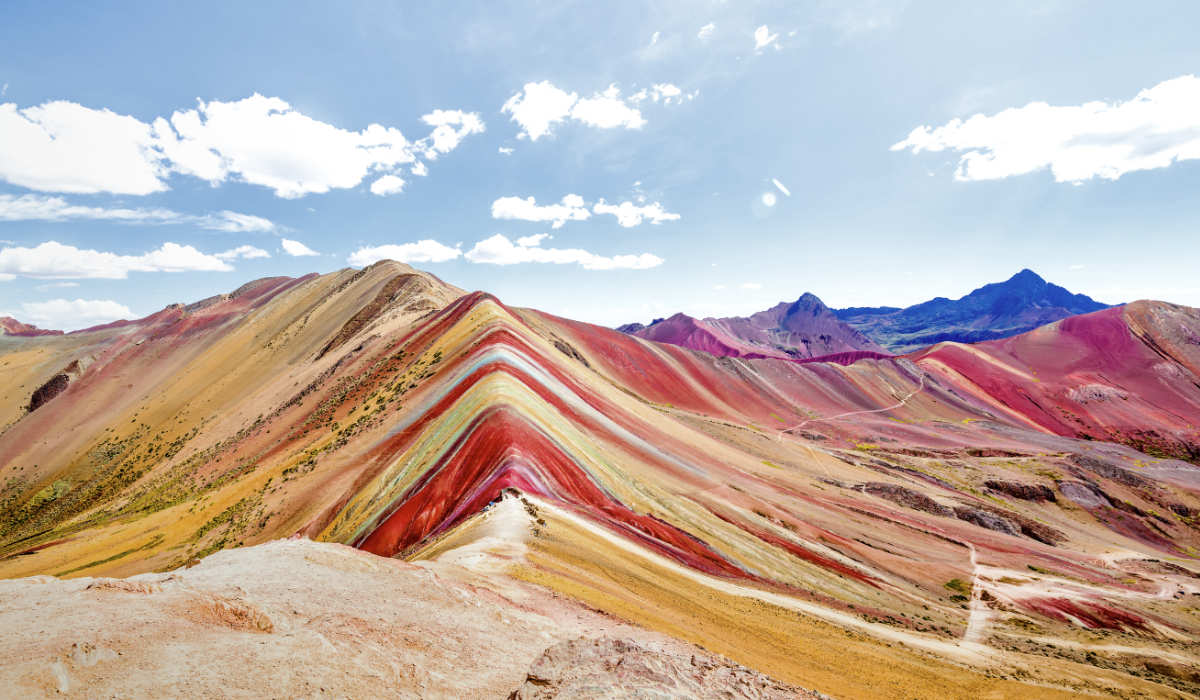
[{"x": 1026, "y": 277}]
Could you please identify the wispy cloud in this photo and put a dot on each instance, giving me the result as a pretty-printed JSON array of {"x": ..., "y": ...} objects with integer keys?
[
  {"x": 499, "y": 250},
  {"x": 572, "y": 207},
  {"x": 763, "y": 38},
  {"x": 32, "y": 207},
  {"x": 539, "y": 107},
  {"x": 73, "y": 314},
  {"x": 296, "y": 248},
  {"x": 54, "y": 260},
  {"x": 424, "y": 251},
  {"x": 1158, "y": 127}
]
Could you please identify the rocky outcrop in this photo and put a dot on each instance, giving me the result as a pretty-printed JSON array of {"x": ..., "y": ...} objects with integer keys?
[
  {"x": 908, "y": 498},
  {"x": 609, "y": 668},
  {"x": 1023, "y": 491}
]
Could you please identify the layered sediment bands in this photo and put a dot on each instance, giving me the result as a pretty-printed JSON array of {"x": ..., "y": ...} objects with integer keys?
[{"x": 690, "y": 493}]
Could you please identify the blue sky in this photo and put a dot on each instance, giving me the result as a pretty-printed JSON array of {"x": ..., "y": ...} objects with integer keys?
[{"x": 158, "y": 145}]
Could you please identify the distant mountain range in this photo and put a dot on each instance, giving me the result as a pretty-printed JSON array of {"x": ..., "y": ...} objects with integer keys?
[
  {"x": 807, "y": 328},
  {"x": 798, "y": 330},
  {"x": 1021, "y": 303}
]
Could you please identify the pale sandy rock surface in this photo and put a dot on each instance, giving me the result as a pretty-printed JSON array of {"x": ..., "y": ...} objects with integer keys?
[{"x": 294, "y": 618}]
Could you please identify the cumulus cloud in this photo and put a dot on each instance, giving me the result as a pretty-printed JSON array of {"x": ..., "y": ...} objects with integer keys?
[
  {"x": 32, "y": 207},
  {"x": 243, "y": 251},
  {"x": 706, "y": 31},
  {"x": 571, "y": 208},
  {"x": 73, "y": 314},
  {"x": 425, "y": 251},
  {"x": 538, "y": 107},
  {"x": 606, "y": 110},
  {"x": 450, "y": 127},
  {"x": 499, "y": 250},
  {"x": 296, "y": 248},
  {"x": 419, "y": 169},
  {"x": 505, "y": 151},
  {"x": 1158, "y": 127},
  {"x": 65, "y": 147},
  {"x": 388, "y": 184},
  {"x": 54, "y": 260},
  {"x": 763, "y": 38},
  {"x": 629, "y": 214}
]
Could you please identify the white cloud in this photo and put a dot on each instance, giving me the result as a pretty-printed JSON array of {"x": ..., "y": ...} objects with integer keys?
[
  {"x": 499, "y": 250},
  {"x": 296, "y": 248},
  {"x": 451, "y": 126},
  {"x": 571, "y": 208},
  {"x": 33, "y": 207},
  {"x": 763, "y": 38},
  {"x": 419, "y": 169},
  {"x": 243, "y": 251},
  {"x": 667, "y": 93},
  {"x": 388, "y": 184},
  {"x": 424, "y": 251},
  {"x": 505, "y": 151},
  {"x": 53, "y": 285},
  {"x": 538, "y": 107},
  {"x": 54, "y": 260},
  {"x": 629, "y": 214},
  {"x": 706, "y": 31},
  {"x": 751, "y": 285},
  {"x": 654, "y": 38},
  {"x": 65, "y": 147},
  {"x": 535, "y": 239},
  {"x": 263, "y": 141},
  {"x": 779, "y": 186},
  {"x": 69, "y": 315},
  {"x": 607, "y": 110},
  {"x": 1155, "y": 129}
]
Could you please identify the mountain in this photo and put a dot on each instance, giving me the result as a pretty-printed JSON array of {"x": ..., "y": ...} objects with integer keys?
[
  {"x": 798, "y": 330},
  {"x": 11, "y": 326},
  {"x": 1022, "y": 303},
  {"x": 1015, "y": 518}
]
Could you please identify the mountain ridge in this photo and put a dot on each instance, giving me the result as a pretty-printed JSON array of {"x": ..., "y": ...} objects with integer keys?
[
  {"x": 996, "y": 310},
  {"x": 688, "y": 493}
]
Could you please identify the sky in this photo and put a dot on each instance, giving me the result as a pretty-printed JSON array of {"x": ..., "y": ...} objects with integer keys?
[{"x": 609, "y": 162}]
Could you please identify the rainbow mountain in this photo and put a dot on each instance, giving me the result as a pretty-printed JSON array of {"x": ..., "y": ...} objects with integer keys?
[{"x": 1016, "y": 517}]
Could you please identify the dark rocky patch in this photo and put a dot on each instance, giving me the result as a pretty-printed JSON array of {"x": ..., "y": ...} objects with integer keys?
[
  {"x": 907, "y": 497},
  {"x": 57, "y": 385},
  {"x": 1023, "y": 491}
]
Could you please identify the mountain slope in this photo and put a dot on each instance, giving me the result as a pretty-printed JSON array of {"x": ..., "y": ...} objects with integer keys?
[
  {"x": 1022, "y": 303},
  {"x": 879, "y": 515}
]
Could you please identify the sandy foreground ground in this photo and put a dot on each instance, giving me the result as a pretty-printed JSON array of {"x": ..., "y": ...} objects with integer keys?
[{"x": 296, "y": 618}]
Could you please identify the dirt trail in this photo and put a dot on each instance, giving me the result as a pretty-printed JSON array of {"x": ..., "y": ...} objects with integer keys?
[{"x": 899, "y": 404}]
